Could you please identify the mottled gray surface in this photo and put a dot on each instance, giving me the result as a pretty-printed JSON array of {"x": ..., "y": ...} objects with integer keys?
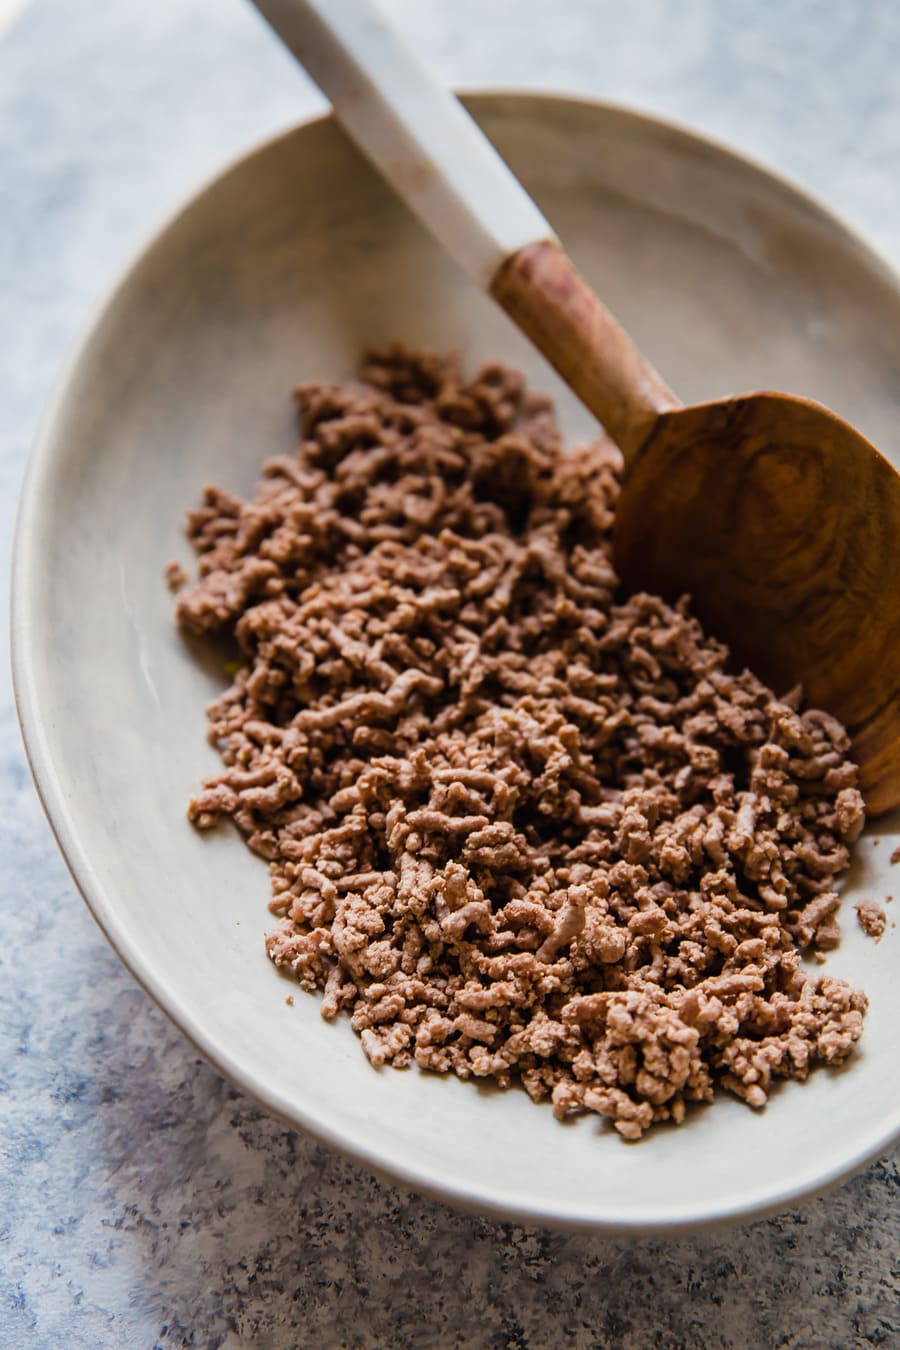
[{"x": 144, "y": 1202}]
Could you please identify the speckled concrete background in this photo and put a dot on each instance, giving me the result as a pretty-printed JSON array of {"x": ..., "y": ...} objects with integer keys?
[{"x": 143, "y": 1202}]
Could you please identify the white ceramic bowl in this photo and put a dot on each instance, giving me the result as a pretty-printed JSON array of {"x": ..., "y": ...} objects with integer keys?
[{"x": 282, "y": 270}]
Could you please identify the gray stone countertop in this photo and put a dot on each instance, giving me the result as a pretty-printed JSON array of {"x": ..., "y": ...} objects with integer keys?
[{"x": 143, "y": 1201}]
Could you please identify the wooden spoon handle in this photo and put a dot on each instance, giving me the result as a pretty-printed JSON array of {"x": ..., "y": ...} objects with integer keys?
[
  {"x": 419, "y": 137},
  {"x": 544, "y": 294},
  {"x": 427, "y": 146}
]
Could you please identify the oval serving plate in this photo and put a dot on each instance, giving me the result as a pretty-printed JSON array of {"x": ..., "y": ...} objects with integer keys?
[{"x": 282, "y": 270}]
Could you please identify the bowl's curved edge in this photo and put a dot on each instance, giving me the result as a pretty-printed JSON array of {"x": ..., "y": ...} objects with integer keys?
[
  {"x": 476, "y": 98},
  {"x": 40, "y": 757}
]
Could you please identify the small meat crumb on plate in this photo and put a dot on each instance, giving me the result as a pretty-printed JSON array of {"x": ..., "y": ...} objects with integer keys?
[
  {"x": 872, "y": 919},
  {"x": 176, "y": 576},
  {"x": 518, "y": 826}
]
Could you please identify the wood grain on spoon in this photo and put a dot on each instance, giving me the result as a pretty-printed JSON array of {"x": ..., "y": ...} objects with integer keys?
[{"x": 780, "y": 520}]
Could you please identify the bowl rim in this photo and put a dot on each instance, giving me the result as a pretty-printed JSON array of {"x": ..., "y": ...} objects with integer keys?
[{"x": 38, "y": 741}]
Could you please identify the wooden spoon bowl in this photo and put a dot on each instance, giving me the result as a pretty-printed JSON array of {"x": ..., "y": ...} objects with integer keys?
[
  {"x": 782, "y": 522},
  {"x": 779, "y": 519}
]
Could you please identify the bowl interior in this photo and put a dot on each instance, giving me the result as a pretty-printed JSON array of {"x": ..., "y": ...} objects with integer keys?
[{"x": 283, "y": 270}]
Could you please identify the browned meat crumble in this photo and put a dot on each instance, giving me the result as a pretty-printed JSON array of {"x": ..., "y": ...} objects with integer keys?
[
  {"x": 176, "y": 576},
  {"x": 872, "y": 919},
  {"x": 517, "y": 828}
]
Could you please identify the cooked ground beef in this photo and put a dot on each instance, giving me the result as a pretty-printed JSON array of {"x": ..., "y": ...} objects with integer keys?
[
  {"x": 517, "y": 827},
  {"x": 176, "y": 576},
  {"x": 872, "y": 919}
]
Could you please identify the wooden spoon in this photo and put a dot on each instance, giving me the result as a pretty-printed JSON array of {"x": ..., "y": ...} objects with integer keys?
[{"x": 780, "y": 520}]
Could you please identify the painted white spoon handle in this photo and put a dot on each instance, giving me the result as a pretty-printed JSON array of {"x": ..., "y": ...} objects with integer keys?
[
  {"x": 442, "y": 165},
  {"x": 417, "y": 134}
]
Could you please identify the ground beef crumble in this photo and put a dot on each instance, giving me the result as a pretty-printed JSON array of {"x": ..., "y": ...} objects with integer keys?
[
  {"x": 517, "y": 828},
  {"x": 176, "y": 576},
  {"x": 872, "y": 919}
]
